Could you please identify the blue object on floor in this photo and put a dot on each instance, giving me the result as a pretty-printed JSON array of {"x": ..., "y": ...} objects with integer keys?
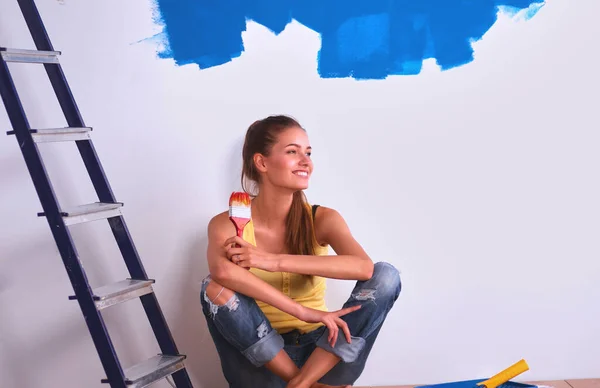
[{"x": 473, "y": 384}]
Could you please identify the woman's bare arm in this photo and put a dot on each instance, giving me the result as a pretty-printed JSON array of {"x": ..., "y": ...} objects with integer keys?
[
  {"x": 236, "y": 278},
  {"x": 351, "y": 261}
]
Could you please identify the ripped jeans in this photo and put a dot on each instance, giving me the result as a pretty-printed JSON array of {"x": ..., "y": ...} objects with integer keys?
[{"x": 245, "y": 340}]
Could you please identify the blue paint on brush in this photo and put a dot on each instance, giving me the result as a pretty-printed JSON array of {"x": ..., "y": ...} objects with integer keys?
[{"x": 363, "y": 39}]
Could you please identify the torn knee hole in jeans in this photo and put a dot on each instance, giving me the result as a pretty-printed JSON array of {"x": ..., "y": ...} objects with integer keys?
[
  {"x": 365, "y": 294},
  {"x": 232, "y": 303},
  {"x": 262, "y": 330}
]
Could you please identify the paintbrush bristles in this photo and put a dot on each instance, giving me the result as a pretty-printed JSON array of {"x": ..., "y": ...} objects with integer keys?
[
  {"x": 239, "y": 205},
  {"x": 239, "y": 198}
]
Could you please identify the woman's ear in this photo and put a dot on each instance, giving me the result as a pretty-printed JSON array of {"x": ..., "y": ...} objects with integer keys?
[{"x": 260, "y": 162}]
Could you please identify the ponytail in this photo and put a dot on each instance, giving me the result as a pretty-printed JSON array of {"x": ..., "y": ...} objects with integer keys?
[{"x": 300, "y": 237}]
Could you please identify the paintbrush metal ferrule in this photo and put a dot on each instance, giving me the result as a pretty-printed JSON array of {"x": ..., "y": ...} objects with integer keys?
[{"x": 239, "y": 211}]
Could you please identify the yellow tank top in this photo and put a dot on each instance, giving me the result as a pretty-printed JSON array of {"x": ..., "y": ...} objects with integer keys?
[{"x": 306, "y": 290}]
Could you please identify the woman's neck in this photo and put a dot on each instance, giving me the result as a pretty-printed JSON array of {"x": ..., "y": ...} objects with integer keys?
[{"x": 270, "y": 209}]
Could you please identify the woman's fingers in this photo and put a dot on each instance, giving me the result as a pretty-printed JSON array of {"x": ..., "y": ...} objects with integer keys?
[
  {"x": 331, "y": 329},
  {"x": 334, "y": 336},
  {"x": 236, "y": 240},
  {"x": 235, "y": 253},
  {"x": 345, "y": 329},
  {"x": 348, "y": 310},
  {"x": 234, "y": 257}
]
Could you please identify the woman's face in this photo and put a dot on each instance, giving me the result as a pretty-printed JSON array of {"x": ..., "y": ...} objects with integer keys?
[{"x": 289, "y": 164}]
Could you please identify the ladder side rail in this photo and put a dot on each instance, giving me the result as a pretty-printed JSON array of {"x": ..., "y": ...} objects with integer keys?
[
  {"x": 88, "y": 153},
  {"x": 57, "y": 226},
  {"x": 67, "y": 101},
  {"x": 181, "y": 378},
  {"x": 119, "y": 228}
]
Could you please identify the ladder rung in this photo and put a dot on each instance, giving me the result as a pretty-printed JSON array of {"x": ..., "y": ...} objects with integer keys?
[
  {"x": 58, "y": 134},
  {"x": 90, "y": 212},
  {"x": 29, "y": 56},
  {"x": 120, "y": 292},
  {"x": 151, "y": 370}
]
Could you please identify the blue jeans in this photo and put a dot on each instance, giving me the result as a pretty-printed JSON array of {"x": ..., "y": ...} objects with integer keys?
[{"x": 246, "y": 341}]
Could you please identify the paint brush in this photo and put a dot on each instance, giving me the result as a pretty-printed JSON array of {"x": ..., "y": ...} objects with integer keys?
[
  {"x": 239, "y": 212},
  {"x": 500, "y": 379}
]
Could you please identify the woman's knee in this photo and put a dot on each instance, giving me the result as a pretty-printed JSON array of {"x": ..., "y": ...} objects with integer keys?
[
  {"x": 216, "y": 297},
  {"x": 218, "y": 294},
  {"x": 386, "y": 279},
  {"x": 240, "y": 322}
]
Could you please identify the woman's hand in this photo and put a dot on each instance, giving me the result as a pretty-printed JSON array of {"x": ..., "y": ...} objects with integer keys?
[
  {"x": 248, "y": 256},
  {"x": 331, "y": 319}
]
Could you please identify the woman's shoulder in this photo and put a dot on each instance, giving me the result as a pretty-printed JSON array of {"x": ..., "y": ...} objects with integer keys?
[
  {"x": 220, "y": 226},
  {"x": 324, "y": 213},
  {"x": 326, "y": 219}
]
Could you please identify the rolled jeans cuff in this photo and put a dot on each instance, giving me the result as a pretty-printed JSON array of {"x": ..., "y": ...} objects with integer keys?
[
  {"x": 347, "y": 352},
  {"x": 265, "y": 349}
]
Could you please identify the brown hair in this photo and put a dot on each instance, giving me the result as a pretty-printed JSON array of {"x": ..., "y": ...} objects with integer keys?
[{"x": 260, "y": 137}]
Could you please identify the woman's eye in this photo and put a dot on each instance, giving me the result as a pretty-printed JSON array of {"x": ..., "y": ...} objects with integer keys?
[{"x": 294, "y": 151}]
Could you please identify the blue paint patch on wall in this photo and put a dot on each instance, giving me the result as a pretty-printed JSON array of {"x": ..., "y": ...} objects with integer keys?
[{"x": 363, "y": 39}]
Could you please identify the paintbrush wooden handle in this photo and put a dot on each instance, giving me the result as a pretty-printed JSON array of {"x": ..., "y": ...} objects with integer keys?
[{"x": 505, "y": 375}]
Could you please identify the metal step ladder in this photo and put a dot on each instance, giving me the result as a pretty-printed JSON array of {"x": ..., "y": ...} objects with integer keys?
[{"x": 91, "y": 301}]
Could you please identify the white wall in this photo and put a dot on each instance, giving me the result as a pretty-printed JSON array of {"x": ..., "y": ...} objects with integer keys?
[{"x": 479, "y": 183}]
